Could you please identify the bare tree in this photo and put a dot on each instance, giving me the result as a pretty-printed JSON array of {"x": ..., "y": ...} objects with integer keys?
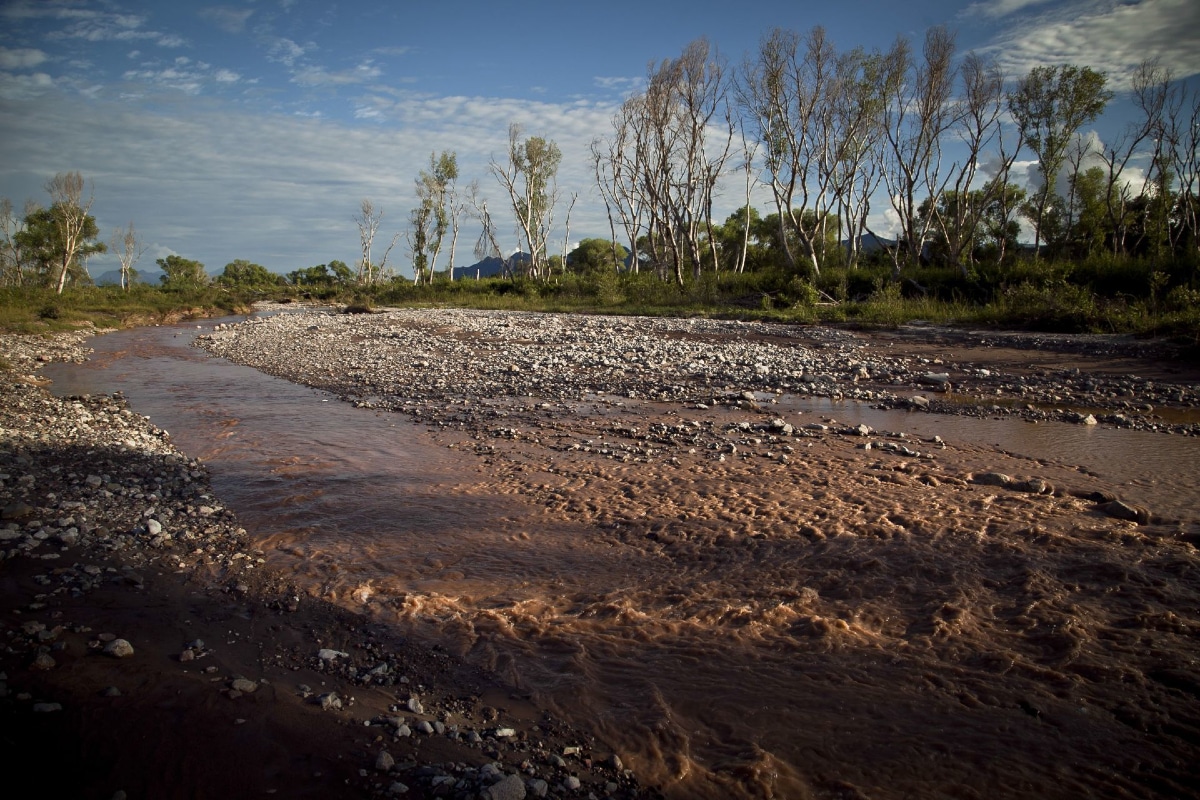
[
  {"x": 487, "y": 245},
  {"x": 917, "y": 116},
  {"x": 1181, "y": 138},
  {"x": 368, "y": 221},
  {"x": 674, "y": 139},
  {"x": 1152, "y": 93},
  {"x": 436, "y": 214},
  {"x": 978, "y": 127},
  {"x": 530, "y": 178},
  {"x": 620, "y": 166},
  {"x": 129, "y": 248},
  {"x": 71, "y": 212},
  {"x": 865, "y": 84},
  {"x": 11, "y": 273}
]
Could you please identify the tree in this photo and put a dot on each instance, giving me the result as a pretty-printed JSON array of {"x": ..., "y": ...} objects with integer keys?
[
  {"x": 1050, "y": 105},
  {"x": 597, "y": 255},
  {"x": 129, "y": 249},
  {"x": 439, "y": 211},
  {"x": 244, "y": 276},
  {"x": 530, "y": 178},
  {"x": 680, "y": 130},
  {"x": 792, "y": 93},
  {"x": 45, "y": 251},
  {"x": 999, "y": 221},
  {"x": 12, "y": 255},
  {"x": 917, "y": 116},
  {"x": 182, "y": 273},
  {"x": 368, "y": 221},
  {"x": 73, "y": 226},
  {"x": 335, "y": 273},
  {"x": 959, "y": 215}
]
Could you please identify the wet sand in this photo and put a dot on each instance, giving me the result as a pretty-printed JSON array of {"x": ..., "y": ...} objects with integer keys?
[{"x": 739, "y": 600}]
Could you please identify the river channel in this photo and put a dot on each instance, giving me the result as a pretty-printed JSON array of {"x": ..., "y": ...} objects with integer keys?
[{"x": 916, "y": 638}]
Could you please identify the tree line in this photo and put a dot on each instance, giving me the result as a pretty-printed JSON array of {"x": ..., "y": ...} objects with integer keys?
[{"x": 830, "y": 135}]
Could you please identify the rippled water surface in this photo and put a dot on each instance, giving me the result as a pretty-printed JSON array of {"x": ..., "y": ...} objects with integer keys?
[{"x": 852, "y": 625}]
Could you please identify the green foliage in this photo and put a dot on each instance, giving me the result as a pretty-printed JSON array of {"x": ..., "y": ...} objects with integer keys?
[
  {"x": 41, "y": 244},
  {"x": 243, "y": 276},
  {"x": 595, "y": 255},
  {"x": 181, "y": 273}
]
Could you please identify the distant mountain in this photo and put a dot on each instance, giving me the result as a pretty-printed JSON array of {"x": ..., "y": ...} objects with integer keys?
[
  {"x": 489, "y": 267},
  {"x": 870, "y": 243},
  {"x": 113, "y": 277}
]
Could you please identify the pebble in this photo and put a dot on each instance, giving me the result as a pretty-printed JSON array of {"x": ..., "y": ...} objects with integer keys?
[{"x": 118, "y": 648}]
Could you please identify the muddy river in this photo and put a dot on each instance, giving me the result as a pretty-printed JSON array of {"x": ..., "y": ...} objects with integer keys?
[{"x": 846, "y": 622}]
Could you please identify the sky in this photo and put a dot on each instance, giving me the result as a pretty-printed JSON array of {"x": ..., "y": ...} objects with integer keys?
[{"x": 253, "y": 129}]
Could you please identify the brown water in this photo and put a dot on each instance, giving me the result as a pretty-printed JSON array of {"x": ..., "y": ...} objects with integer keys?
[{"x": 852, "y": 624}]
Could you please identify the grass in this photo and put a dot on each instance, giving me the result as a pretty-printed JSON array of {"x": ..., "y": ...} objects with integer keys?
[{"x": 1098, "y": 295}]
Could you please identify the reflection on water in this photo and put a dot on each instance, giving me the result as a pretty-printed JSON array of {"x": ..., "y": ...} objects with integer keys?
[{"x": 850, "y": 625}]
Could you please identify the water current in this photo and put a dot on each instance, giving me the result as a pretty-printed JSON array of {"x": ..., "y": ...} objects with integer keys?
[{"x": 877, "y": 630}]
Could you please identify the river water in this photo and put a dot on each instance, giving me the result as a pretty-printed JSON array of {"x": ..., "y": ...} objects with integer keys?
[{"x": 905, "y": 644}]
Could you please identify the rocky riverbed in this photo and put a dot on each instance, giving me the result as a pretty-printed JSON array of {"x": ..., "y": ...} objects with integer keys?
[
  {"x": 429, "y": 362},
  {"x": 920, "y": 617},
  {"x": 146, "y": 646}
]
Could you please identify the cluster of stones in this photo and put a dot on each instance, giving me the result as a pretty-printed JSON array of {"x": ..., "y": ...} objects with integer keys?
[
  {"x": 83, "y": 481},
  {"x": 88, "y": 471},
  {"x": 519, "y": 763},
  {"x": 422, "y": 360}
]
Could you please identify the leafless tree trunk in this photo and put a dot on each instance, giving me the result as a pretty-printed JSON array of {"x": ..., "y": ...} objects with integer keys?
[
  {"x": 487, "y": 245},
  {"x": 70, "y": 213},
  {"x": 368, "y": 224},
  {"x": 129, "y": 249},
  {"x": 1181, "y": 137},
  {"x": 865, "y": 82},
  {"x": 368, "y": 221},
  {"x": 918, "y": 115},
  {"x": 1152, "y": 93},
  {"x": 530, "y": 178},
  {"x": 978, "y": 125},
  {"x": 11, "y": 272}
]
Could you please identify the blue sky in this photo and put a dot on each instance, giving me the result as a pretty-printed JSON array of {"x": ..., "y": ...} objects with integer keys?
[{"x": 254, "y": 129}]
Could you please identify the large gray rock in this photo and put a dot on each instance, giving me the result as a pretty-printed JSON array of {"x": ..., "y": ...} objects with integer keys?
[{"x": 510, "y": 787}]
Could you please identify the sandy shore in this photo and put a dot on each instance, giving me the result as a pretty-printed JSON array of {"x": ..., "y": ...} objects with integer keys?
[{"x": 879, "y": 560}]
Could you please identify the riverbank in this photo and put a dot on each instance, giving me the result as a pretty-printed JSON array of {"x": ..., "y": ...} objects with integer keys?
[
  {"x": 148, "y": 651},
  {"x": 751, "y": 599}
]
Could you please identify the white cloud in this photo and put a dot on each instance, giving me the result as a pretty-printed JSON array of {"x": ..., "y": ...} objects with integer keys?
[
  {"x": 23, "y": 87},
  {"x": 1108, "y": 35},
  {"x": 319, "y": 76},
  {"x": 286, "y": 52},
  {"x": 230, "y": 20},
  {"x": 999, "y": 8},
  {"x": 185, "y": 74},
  {"x": 617, "y": 84},
  {"x": 214, "y": 183},
  {"x": 20, "y": 57}
]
